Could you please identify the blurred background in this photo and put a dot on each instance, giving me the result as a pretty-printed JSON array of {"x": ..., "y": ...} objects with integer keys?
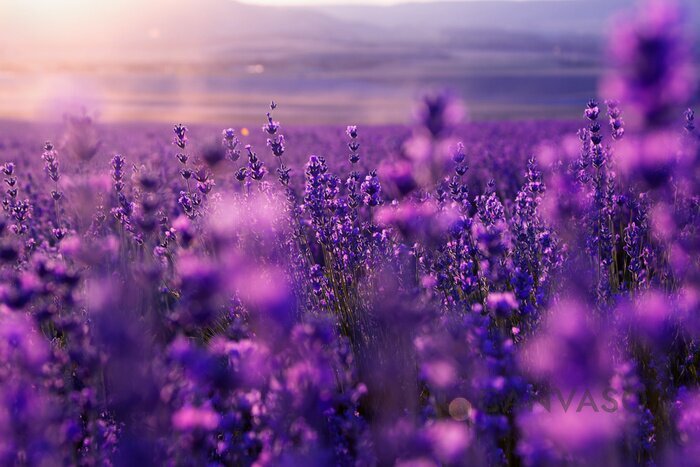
[{"x": 222, "y": 61}]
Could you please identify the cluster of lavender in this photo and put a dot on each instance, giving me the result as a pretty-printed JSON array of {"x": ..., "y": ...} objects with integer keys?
[{"x": 435, "y": 309}]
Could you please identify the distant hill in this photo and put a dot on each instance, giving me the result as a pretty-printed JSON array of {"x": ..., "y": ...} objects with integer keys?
[
  {"x": 196, "y": 30},
  {"x": 166, "y": 29},
  {"x": 543, "y": 17}
]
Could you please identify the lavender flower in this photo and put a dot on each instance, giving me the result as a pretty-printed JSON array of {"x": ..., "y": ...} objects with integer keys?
[
  {"x": 271, "y": 126},
  {"x": 230, "y": 142},
  {"x": 180, "y": 136},
  {"x": 653, "y": 74},
  {"x": 689, "y": 120},
  {"x": 276, "y": 145},
  {"x": 256, "y": 168},
  {"x": 50, "y": 158},
  {"x": 354, "y": 146},
  {"x": 535, "y": 307},
  {"x": 592, "y": 111},
  {"x": 372, "y": 190}
]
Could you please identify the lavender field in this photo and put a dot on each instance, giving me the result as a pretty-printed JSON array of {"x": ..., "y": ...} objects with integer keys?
[{"x": 441, "y": 293}]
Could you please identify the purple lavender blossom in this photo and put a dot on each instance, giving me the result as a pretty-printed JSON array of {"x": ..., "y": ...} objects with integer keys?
[
  {"x": 533, "y": 304},
  {"x": 230, "y": 143},
  {"x": 653, "y": 74}
]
